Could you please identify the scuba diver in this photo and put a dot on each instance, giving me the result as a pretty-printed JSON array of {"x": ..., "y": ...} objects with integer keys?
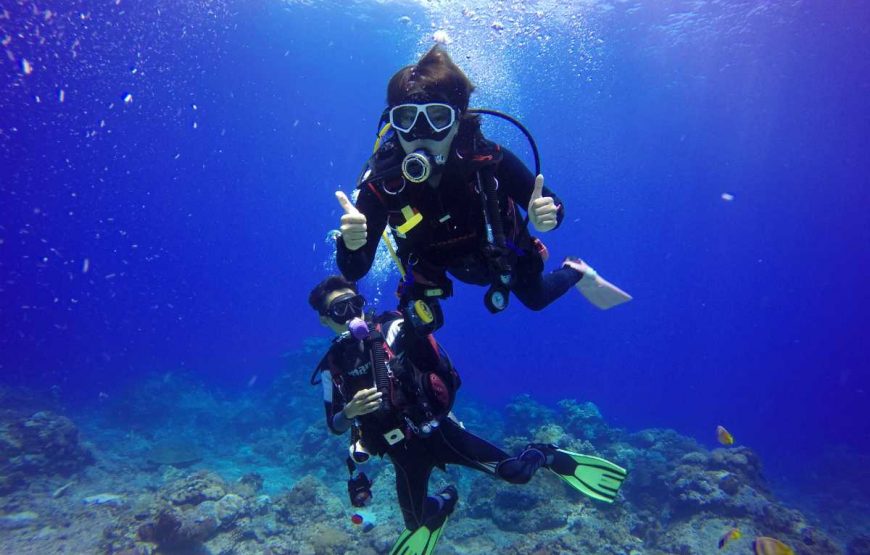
[
  {"x": 452, "y": 200},
  {"x": 394, "y": 391}
]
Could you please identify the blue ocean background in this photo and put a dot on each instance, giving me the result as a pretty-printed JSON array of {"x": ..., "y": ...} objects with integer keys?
[{"x": 167, "y": 172}]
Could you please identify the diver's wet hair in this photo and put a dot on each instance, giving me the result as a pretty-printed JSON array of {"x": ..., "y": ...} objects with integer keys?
[
  {"x": 332, "y": 283},
  {"x": 434, "y": 78}
]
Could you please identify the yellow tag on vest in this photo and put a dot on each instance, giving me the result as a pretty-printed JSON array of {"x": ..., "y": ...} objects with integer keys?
[{"x": 411, "y": 220}]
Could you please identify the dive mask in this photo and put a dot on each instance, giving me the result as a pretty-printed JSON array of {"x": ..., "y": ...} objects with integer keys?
[
  {"x": 439, "y": 115},
  {"x": 345, "y": 307}
]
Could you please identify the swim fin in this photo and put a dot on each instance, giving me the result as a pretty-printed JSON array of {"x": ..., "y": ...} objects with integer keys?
[
  {"x": 420, "y": 541},
  {"x": 592, "y": 476},
  {"x": 595, "y": 288},
  {"x": 602, "y": 293}
]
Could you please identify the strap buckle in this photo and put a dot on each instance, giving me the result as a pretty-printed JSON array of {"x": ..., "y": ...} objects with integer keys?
[{"x": 394, "y": 436}]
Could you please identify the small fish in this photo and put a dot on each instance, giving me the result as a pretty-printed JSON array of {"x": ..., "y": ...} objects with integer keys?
[
  {"x": 61, "y": 490},
  {"x": 770, "y": 546},
  {"x": 104, "y": 499},
  {"x": 732, "y": 534},
  {"x": 724, "y": 436}
]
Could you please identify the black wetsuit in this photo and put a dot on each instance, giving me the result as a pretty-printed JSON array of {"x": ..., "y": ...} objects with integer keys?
[
  {"x": 452, "y": 234},
  {"x": 347, "y": 369}
]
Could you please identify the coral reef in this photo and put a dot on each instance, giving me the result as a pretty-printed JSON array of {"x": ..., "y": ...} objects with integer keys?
[
  {"x": 524, "y": 412},
  {"x": 42, "y": 444},
  {"x": 250, "y": 484},
  {"x": 280, "y": 489},
  {"x": 676, "y": 487}
]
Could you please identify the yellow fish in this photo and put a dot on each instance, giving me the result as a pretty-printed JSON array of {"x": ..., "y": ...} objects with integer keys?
[
  {"x": 732, "y": 534},
  {"x": 770, "y": 546},
  {"x": 724, "y": 437}
]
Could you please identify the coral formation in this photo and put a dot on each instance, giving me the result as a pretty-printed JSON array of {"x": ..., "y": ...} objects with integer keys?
[
  {"x": 280, "y": 490},
  {"x": 42, "y": 444}
]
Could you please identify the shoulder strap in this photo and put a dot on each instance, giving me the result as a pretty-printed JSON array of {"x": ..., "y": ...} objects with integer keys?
[
  {"x": 478, "y": 153},
  {"x": 315, "y": 375},
  {"x": 384, "y": 165},
  {"x": 327, "y": 363}
]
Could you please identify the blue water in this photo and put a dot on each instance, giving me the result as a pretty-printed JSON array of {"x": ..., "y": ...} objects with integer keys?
[{"x": 182, "y": 229}]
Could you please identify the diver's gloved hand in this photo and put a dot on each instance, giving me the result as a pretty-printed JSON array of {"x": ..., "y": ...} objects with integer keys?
[
  {"x": 364, "y": 402},
  {"x": 353, "y": 223},
  {"x": 542, "y": 210}
]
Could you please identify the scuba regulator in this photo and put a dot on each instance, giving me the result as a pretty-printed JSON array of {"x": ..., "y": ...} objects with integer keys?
[
  {"x": 497, "y": 296},
  {"x": 418, "y": 166},
  {"x": 496, "y": 250}
]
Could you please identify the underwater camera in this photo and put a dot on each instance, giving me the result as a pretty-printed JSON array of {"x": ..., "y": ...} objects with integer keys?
[{"x": 359, "y": 488}]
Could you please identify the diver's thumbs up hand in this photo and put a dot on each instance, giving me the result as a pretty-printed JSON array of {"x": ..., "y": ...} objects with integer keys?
[
  {"x": 353, "y": 223},
  {"x": 542, "y": 210},
  {"x": 345, "y": 203},
  {"x": 538, "y": 191}
]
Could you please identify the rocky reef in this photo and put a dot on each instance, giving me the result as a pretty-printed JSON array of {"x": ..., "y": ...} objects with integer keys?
[
  {"x": 679, "y": 498},
  {"x": 195, "y": 481},
  {"x": 39, "y": 445}
]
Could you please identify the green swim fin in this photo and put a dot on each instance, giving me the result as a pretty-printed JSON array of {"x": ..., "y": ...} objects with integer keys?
[
  {"x": 420, "y": 541},
  {"x": 593, "y": 476}
]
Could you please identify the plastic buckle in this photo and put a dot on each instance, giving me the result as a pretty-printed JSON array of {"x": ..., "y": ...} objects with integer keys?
[{"x": 394, "y": 436}]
